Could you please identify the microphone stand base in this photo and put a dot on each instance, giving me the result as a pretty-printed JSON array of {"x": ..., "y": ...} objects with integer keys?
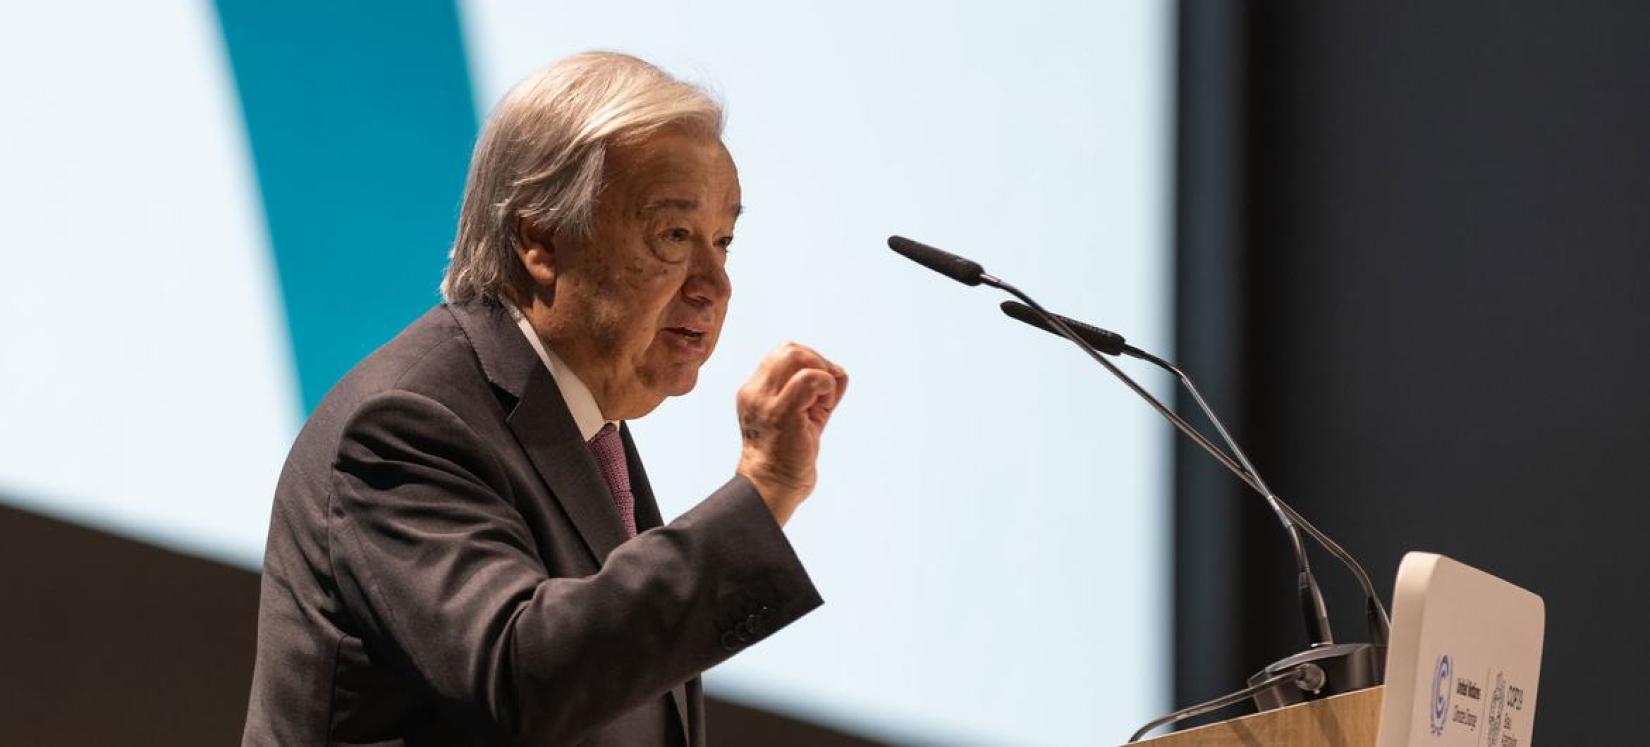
[{"x": 1346, "y": 667}]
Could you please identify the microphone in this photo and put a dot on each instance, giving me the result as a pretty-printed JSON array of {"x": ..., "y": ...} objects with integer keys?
[
  {"x": 965, "y": 271},
  {"x": 1353, "y": 663},
  {"x": 1102, "y": 339}
]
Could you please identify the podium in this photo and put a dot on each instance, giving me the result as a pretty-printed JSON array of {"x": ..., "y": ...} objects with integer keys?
[
  {"x": 1349, "y": 720},
  {"x": 1461, "y": 671}
]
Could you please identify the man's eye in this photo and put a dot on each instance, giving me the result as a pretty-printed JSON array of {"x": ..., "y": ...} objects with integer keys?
[
  {"x": 724, "y": 242},
  {"x": 678, "y": 234}
]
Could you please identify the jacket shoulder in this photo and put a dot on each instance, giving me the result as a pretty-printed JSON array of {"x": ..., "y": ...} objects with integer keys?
[{"x": 432, "y": 356}]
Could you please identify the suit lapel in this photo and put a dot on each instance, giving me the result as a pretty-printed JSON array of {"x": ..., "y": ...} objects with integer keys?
[
  {"x": 543, "y": 425},
  {"x": 547, "y": 432},
  {"x": 545, "y": 429},
  {"x": 647, "y": 517}
]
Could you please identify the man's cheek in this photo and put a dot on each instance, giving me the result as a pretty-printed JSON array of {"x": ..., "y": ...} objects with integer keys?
[
  {"x": 661, "y": 280},
  {"x": 654, "y": 288}
]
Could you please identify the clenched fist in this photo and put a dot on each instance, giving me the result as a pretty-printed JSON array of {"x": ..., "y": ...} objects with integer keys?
[{"x": 783, "y": 409}]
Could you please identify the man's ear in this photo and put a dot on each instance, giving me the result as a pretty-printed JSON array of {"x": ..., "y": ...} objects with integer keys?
[{"x": 537, "y": 253}]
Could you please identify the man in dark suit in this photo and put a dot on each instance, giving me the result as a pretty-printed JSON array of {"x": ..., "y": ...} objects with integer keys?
[{"x": 464, "y": 547}]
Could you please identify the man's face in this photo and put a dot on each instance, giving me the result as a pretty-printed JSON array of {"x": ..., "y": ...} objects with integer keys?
[{"x": 638, "y": 307}]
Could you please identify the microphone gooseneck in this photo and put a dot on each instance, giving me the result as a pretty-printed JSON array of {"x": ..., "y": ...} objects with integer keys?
[
  {"x": 969, "y": 272},
  {"x": 1375, "y": 612},
  {"x": 1349, "y": 666},
  {"x": 1313, "y": 611}
]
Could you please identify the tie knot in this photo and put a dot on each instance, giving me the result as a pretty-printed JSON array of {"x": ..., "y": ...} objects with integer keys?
[{"x": 608, "y": 448}]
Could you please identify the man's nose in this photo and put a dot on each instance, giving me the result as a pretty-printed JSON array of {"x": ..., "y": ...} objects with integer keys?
[{"x": 707, "y": 280}]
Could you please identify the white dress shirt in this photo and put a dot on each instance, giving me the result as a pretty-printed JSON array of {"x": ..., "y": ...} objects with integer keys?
[{"x": 586, "y": 414}]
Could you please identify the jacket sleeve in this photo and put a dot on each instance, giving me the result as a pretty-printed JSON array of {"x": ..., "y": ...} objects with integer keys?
[{"x": 441, "y": 570}]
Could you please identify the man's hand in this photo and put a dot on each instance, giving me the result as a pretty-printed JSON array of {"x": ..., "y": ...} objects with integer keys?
[{"x": 783, "y": 409}]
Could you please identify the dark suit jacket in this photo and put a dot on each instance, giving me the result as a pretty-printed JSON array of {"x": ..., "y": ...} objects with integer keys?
[{"x": 445, "y": 565}]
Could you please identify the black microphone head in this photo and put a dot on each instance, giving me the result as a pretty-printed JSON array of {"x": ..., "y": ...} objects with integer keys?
[
  {"x": 965, "y": 271},
  {"x": 1103, "y": 340}
]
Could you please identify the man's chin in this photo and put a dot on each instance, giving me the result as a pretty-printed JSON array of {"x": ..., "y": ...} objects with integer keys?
[
  {"x": 682, "y": 384},
  {"x": 674, "y": 383}
]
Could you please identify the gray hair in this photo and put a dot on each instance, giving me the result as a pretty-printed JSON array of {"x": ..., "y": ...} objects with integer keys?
[{"x": 541, "y": 155}]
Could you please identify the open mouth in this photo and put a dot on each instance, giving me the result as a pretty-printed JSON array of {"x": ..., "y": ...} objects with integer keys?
[{"x": 688, "y": 333}]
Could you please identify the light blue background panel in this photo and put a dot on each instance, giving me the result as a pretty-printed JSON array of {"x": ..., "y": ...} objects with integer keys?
[
  {"x": 215, "y": 209},
  {"x": 361, "y": 120},
  {"x": 989, "y": 531}
]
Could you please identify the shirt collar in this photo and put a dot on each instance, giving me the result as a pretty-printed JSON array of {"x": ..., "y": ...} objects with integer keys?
[{"x": 586, "y": 414}]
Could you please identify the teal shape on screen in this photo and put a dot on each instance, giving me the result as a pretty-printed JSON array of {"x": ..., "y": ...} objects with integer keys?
[{"x": 360, "y": 118}]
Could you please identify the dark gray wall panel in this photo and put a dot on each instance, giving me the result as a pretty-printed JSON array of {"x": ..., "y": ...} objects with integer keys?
[{"x": 1447, "y": 255}]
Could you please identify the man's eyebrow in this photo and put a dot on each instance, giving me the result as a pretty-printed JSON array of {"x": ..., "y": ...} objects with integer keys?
[
  {"x": 670, "y": 203},
  {"x": 680, "y": 203}
]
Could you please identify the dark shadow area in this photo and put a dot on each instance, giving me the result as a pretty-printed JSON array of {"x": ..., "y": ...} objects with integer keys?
[
  {"x": 735, "y": 725},
  {"x": 1443, "y": 264},
  {"x": 106, "y": 640},
  {"x": 111, "y": 641}
]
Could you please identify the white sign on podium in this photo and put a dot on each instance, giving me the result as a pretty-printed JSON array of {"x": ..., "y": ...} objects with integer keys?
[{"x": 1464, "y": 659}]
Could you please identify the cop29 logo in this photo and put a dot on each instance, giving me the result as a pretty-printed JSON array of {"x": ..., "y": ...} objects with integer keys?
[{"x": 1440, "y": 693}]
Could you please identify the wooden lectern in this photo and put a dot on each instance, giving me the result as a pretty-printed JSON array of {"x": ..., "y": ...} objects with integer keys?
[
  {"x": 1461, "y": 671},
  {"x": 1348, "y": 720}
]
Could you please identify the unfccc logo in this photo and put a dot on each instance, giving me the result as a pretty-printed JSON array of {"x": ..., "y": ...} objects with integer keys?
[{"x": 1440, "y": 694}]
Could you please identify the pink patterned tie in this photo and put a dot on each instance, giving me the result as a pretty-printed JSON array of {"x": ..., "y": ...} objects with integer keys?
[{"x": 608, "y": 448}]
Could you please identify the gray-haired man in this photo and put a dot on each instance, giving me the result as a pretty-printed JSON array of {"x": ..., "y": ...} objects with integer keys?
[{"x": 464, "y": 548}]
